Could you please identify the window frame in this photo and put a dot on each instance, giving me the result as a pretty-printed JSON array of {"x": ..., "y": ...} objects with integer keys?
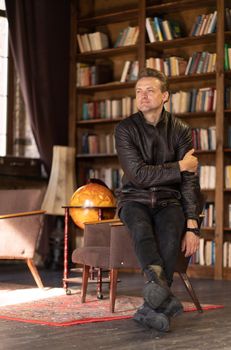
[{"x": 10, "y": 98}]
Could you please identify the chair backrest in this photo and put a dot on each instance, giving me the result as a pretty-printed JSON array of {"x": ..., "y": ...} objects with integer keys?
[{"x": 19, "y": 235}]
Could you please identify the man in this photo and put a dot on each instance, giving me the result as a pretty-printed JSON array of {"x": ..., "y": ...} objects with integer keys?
[{"x": 158, "y": 201}]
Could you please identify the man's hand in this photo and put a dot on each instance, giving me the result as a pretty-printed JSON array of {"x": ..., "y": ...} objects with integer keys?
[
  {"x": 190, "y": 243},
  {"x": 189, "y": 162}
]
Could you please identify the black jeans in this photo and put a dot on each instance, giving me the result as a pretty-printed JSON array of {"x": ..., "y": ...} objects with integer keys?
[{"x": 156, "y": 233}]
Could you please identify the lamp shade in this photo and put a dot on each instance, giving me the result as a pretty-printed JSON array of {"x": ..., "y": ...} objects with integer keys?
[{"x": 62, "y": 182}]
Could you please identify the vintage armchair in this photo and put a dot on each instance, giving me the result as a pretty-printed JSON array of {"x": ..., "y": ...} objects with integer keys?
[
  {"x": 20, "y": 224},
  {"x": 107, "y": 245}
]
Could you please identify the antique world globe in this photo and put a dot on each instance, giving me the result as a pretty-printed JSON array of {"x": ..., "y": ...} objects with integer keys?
[{"x": 88, "y": 197}]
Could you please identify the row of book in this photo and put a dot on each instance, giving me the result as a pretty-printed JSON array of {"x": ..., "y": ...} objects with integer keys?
[
  {"x": 128, "y": 36},
  {"x": 205, "y": 255},
  {"x": 98, "y": 144},
  {"x": 229, "y": 136},
  {"x": 228, "y": 176},
  {"x": 92, "y": 41},
  {"x": 171, "y": 66},
  {"x": 209, "y": 215},
  {"x": 204, "y": 138},
  {"x": 201, "y": 62},
  {"x": 130, "y": 71},
  {"x": 207, "y": 176},
  {"x": 110, "y": 176},
  {"x": 227, "y": 254},
  {"x": 228, "y": 97},
  {"x": 201, "y": 100},
  {"x": 109, "y": 108},
  {"x": 227, "y": 56},
  {"x": 160, "y": 30},
  {"x": 228, "y": 18},
  {"x": 195, "y": 100},
  {"x": 204, "y": 24},
  {"x": 87, "y": 74}
]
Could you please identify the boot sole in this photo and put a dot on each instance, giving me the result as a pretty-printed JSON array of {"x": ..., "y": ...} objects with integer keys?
[{"x": 153, "y": 320}]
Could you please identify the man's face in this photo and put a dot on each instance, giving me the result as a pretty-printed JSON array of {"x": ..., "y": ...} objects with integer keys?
[{"x": 149, "y": 96}]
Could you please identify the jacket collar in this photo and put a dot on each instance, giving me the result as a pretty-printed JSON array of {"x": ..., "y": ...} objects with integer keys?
[{"x": 162, "y": 119}]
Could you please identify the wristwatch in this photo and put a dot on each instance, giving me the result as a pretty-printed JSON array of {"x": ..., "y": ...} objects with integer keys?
[{"x": 195, "y": 230}]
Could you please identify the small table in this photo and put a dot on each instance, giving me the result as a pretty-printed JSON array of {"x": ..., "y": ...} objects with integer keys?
[{"x": 66, "y": 235}]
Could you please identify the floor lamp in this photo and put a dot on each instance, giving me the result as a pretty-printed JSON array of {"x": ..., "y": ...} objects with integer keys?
[{"x": 61, "y": 186}]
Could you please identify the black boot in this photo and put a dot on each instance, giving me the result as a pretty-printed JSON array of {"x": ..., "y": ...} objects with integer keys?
[
  {"x": 171, "y": 307},
  {"x": 156, "y": 291},
  {"x": 149, "y": 318}
]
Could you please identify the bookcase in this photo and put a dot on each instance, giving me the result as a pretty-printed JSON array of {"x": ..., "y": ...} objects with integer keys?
[{"x": 91, "y": 132}]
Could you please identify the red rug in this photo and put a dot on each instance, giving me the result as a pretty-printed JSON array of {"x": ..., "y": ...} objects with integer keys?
[{"x": 66, "y": 310}]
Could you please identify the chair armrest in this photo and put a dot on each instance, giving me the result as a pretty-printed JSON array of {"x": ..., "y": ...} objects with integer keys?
[{"x": 28, "y": 213}]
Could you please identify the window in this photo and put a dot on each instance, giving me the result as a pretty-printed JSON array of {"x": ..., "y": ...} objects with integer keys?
[{"x": 3, "y": 75}]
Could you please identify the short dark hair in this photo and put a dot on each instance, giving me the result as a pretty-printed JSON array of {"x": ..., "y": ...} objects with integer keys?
[{"x": 154, "y": 73}]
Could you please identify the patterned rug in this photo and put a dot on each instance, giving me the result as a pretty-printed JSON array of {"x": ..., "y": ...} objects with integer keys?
[{"x": 67, "y": 310}]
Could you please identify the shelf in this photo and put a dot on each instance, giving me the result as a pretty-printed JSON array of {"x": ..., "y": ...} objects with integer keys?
[
  {"x": 200, "y": 271},
  {"x": 116, "y": 85},
  {"x": 96, "y": 155},
  {"x": 201, "y": 151},
  {"x": 106, "y": 52},
  {"x": 227, "y": 150},
  {"x": 98, "y": 121},
  {"x": 182, "y": 42},
  {"x": 195, "y": 114},
  {"x": 131, "y": 84},
  {"x": 118, "y": 15},
  {"x": 175, "y": 6},
  {"x": 178, "y": 115}
]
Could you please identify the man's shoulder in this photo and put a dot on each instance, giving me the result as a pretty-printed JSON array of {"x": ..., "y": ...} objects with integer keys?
[{"x": 178, "y": 122}]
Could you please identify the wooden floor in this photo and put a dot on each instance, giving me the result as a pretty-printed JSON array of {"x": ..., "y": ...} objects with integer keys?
[{"x": 210, "y": 330}]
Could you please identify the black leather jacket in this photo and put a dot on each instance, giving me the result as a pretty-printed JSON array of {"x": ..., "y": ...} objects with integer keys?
[{"x": 149, "y": 157}]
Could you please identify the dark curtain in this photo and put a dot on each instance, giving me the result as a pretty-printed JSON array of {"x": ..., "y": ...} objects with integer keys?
[{"x": 39, "y": 33}]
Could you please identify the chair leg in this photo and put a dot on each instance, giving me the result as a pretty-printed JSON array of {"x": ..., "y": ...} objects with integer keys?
[
  {"x": 34, "y": 271},
  {"x": 85, "y": 277},
  {"x": 190, "y": 290},
  {"x": 113, "y": 287}
]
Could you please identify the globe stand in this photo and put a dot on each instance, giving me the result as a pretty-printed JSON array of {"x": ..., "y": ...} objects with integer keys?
[{"x": 66, "y": 280}]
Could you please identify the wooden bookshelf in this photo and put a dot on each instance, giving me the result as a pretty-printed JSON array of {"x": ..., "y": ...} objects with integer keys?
[{"x": 112, "y": 20}]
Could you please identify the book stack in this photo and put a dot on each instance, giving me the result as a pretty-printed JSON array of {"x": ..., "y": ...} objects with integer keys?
[
  {"x": 227, "y": 63},
  {"x": 209, "y": 215},
  {"x": 201, "y": 62},
  {"x": 228, "y": 97},
  {"x": 91, "y": 75},
  {"x": 170, "y": 66},
  {"x": 228, "y": 176},
  {"x": 207, "y": 175},
  {"x": 109, "y": 108},
  {"x": 92, "y": 41},
  {"x": 201, "y": 100},
  {"x": 130, "y": 71},
  {"x": 111, "y": 176},
  {"x": 204, "y": 138},
  {"x": 204, "y": 24},
  {"x": 205, "y": 255},
  {"x": 228, "y": 18},
  {"x": 128, "y": 36},
  {"x": 227, "y": 254},
  {"x": 160, "y": 30},
  {"x": 98, "y": 144}
]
